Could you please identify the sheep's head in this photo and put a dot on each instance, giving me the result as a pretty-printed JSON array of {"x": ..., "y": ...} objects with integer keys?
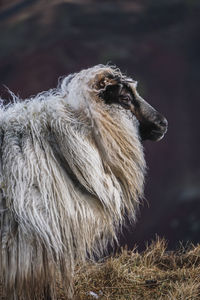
[
  {"x": 121, "y": 90},
  {"x": 108, "y": 85}
]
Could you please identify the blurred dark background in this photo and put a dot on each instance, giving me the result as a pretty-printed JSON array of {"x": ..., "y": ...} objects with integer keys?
[{"x": 157, "y": 43}]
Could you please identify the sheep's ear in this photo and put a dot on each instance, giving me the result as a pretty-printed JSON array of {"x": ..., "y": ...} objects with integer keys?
[{"x": 104, "y": 80}]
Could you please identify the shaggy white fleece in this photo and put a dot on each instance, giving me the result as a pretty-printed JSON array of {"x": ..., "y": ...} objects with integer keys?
[{"x": 71, "y": 169}]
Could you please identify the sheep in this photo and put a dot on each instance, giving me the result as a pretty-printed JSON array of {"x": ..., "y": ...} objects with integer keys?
[{"x": 71, "y": 169}]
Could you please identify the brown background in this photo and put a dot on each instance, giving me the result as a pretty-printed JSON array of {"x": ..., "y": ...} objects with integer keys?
[{"x": 155, "y": 42}]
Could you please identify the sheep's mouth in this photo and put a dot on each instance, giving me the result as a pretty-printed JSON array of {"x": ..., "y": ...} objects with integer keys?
[{"x": 147, "y": 133}]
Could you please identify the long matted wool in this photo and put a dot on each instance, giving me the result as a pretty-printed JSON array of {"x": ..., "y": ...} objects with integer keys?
[{"x": 71, "y": 168}]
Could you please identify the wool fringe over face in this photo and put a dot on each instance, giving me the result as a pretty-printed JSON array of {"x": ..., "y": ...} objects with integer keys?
[{"x": 71, "y": 169}]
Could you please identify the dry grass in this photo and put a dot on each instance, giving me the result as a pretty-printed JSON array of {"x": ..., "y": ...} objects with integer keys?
[{"x": 153, "y": 274}]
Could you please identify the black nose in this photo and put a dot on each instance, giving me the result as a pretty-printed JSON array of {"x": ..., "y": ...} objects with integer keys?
[
  {"x": 153, "y": 128},
  {"x": 161, "y": 122}
]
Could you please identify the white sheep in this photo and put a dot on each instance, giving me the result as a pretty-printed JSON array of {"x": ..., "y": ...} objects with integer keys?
[{"x": 71, "y": 168}]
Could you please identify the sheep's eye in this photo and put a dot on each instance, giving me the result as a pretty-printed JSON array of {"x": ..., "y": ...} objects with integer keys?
[
  {"x": 125, "y": 97},
  {"x": 117, "y": 93}
]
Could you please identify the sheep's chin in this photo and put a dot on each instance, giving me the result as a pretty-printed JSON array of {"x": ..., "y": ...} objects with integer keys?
[
  {"x": 154, "y": 136},
  {"x": 159, "y": 138}
]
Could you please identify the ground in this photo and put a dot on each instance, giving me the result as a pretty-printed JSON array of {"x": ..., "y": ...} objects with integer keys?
[{"x": 153, "y": 274}]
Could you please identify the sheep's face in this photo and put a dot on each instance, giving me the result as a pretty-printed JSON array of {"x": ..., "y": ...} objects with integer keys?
[{"x": 122, "y": 91}]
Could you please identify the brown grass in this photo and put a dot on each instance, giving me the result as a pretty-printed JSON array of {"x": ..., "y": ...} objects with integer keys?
[{"x": 154, "y": 274}]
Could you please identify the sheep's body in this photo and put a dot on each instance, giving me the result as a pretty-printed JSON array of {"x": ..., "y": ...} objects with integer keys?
[{"x": 70, "y": 169}]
